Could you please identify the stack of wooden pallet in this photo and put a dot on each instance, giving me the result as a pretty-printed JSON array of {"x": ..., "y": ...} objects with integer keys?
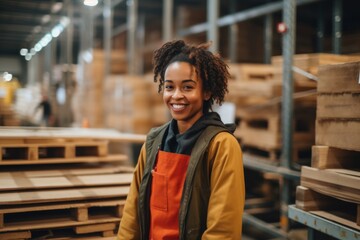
[
  {"x": 132, "y": 103},
  {"x": 8, "y": 115},
  {"x": 61, "y": 184},
  {"x": 257, "y": 95},
  {"x": 88, "y": 100},
  {"x": 330, "y": 187}
]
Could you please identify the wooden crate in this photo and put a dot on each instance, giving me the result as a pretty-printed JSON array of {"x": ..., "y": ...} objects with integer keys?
[
  {"x": 261, "y": 129},
  {"x": 330, "y": 187},
  {"x": 333, "y": 209},
  {"x": 338, "y": 123},
  {"x": 310, "y": 63},
  {"x": 251, "y": 72}
]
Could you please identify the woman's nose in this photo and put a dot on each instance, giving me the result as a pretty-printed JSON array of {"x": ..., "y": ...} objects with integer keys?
[{"x": 177, "y": 94}]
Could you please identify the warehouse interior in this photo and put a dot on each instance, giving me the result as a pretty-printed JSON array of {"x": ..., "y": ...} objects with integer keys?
[{"x": 293, "y": 93}]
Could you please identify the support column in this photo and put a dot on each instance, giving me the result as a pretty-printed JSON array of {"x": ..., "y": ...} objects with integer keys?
[
  {"x": 168, "y": 6},
  {"x": 289, "y": 16},
  {"x": 213, "y": 29},
  {"x": 337, "y": 26},
  {"x": 320, "y": 29},
  {"x": 268, "y": 38},
  {"x": 108, "y": 24},
  {"x": 233, "y": 35},
  {"x": 132, "y": 19}
]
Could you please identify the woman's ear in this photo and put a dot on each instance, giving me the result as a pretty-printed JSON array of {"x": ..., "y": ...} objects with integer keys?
[{"x": 207, "y": 95}]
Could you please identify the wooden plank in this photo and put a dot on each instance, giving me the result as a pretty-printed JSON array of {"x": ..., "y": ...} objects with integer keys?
[
  {"x": 328, "y": 157},
  {"x": 343, "y": 106},
  {"x": 109, "y": 158},
  {"x": 14, "y": 133},
  {"x": 342, "y": 186},
  {"x": 72, "y": 170},
  {"x": 340, "y": 134},
  {"x": 251, "y": 72},
  {"x": 15, "y": 235},
  {"x": 266, "y": 89},
  {"x": 54, "y": 150},
  {"x": 19, "y": 183},
  {"x": 14, "y": 198},
  {"x": 56, "y": 222},
  {"x": 104, "y": 202},
  {"x": 339, "y": 217},
  {"x": 81, "y": 214},
  {"x": 95, "y": 228},
  {"x": 339, "y": 78},
  {"x": 309, "y": 200}
]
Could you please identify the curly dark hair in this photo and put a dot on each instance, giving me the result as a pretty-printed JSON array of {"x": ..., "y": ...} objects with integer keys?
[{"x": 211, "y": 69}]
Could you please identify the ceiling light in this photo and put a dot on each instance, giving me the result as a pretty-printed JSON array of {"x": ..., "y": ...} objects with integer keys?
[
  {"x": 28, "y": 57},
  {"x": 7, "y": 76},
  {"x": 56, "y": 7},
  {"x": 45, "y": 18},
  {"x": 38, "y": 47},
  {"x": 23, "y": 51},
  {"x": 91, "y": 3}
]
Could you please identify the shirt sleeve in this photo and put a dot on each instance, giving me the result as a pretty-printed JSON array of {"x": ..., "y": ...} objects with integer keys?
[
  {"x": 129, "y": 225},
  {"x": 227, "y": 186}
]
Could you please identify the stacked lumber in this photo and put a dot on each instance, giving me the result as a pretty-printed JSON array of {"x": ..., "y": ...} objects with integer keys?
[
  {"x": 310, "y": 63},
  {"x": 7, "y": 115},
  {"x": 338, "y": 115},
  {"x": 88, "y": 101},
  {"x": 61, "y": 185},
  {"x": 133, "y": 101},
  {"x": 257, "y": 95},
  {"x": 26, "y": 102},
  {"x": 330, "y": 187}
]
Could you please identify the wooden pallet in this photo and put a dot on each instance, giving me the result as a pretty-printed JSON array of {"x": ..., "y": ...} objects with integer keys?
[
  {"x": 310, "y": 63},
  {"x": 17, "y": 181},
  {"x": 58, "y": 195},
  {"x": 39, "y": 151},
  {"x": 251, "y": 72},
  {"x": 31, "y": 134},
  {"x": 325, "y": 157},
  {"x": 262, "y": 130},
  {"x": 301, "y": 153},
  {"x": 340, "y": 183},
  {"x": 337, "y": 123},
  {"x": 33, "y": 216},
  {"x": 105, "y": 229},
  {"x": 334, "y": 209},
  {"x": 19, "y": 151}
]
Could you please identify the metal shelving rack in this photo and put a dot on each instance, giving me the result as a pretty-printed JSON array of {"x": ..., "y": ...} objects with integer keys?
[
  {"x": 288, "y": 7},
  {"x": 316, "y": 223}
]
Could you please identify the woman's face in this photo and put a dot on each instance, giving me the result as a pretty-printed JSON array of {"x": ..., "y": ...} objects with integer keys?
[{"x": 183, "y": 94}]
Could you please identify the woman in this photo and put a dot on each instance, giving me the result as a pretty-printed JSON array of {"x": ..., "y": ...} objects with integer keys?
[{"x": 189, "y": 180}]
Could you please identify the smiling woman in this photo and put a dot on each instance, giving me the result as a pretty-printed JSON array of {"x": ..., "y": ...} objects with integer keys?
[{"x": 189, "y": 180}]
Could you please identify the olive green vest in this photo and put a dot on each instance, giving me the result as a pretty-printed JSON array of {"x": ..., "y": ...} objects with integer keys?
[{"x": 196, "y": 191}]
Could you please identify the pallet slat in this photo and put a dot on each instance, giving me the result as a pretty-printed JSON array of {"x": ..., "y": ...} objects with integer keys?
[
  {"x": 14, "y": 182},
  {"x": 62, "y": 195}
]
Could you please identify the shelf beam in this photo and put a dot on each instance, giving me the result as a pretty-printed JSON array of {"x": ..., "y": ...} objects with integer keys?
[
  {"x": 257, "y": 163},
  {"x": 263, "y": 226},
  {"x": 323, "y": 225},
  {"x": 240, "y": 17}
]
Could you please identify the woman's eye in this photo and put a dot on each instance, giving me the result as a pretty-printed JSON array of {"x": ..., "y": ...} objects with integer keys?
[
  {"x": 168, "y": 87},
  {"x": 188, "y": 87}
]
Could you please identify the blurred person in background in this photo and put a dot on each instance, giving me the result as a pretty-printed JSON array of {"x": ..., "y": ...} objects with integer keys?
[{"x": 46, "y": 111}]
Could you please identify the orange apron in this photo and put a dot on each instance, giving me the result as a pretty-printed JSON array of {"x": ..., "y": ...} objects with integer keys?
[{"x": 168, "y": 179}]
